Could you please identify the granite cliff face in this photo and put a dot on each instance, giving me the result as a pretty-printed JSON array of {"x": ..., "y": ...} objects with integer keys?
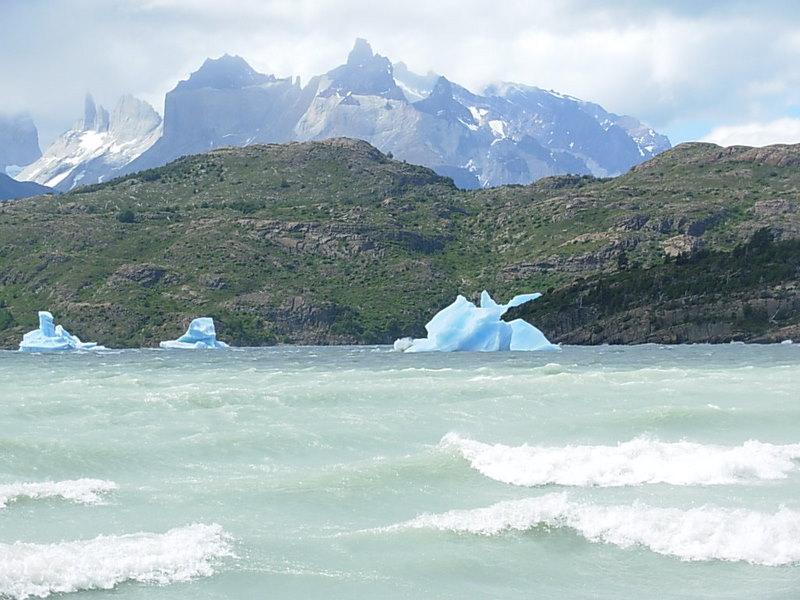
[
  {"x": 509, "y": 133},
  {"x": 224, "y": 103}
]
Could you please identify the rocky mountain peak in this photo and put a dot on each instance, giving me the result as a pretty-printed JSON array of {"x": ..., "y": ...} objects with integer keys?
[
  {"x": 442, "y": 89},
  {"x": 365, "y": 74},
  {"x": 361, "y": 54},
  {"x": 95, "y": 117},
  {"x": 442, "y": 104},
  {"x": 225, "y": 72}
]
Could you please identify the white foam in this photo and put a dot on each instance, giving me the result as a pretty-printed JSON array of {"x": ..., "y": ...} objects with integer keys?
[
  {"x": 86, "y": 491},
  {"x": 38, "y": 570},
  {"x": 699, "y": 534},
  {"x": 639, "y": 461}
]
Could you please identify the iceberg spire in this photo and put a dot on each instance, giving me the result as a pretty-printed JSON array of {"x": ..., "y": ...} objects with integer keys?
[
  {"x": 462, "y": 326},
  {"x": 49, "y": 337}
]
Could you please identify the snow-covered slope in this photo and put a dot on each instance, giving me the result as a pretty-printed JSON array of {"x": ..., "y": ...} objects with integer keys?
[{"x": 98, "y": 146}]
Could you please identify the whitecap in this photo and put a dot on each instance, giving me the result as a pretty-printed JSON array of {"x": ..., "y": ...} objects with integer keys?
[
  {"x": 642, "y": 460},
  {"x": 698, "y": 534},
  {"x": 554, "y": 369},
  {"x": 86, "y": 491},
  {"x": 38, "y": 570}
]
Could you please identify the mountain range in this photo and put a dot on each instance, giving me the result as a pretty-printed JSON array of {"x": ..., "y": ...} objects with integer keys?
[{"x": 508, "y": 134}]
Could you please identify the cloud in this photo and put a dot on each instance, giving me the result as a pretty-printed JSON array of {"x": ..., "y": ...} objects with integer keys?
[
  {"x": 779, "y": 131},
  {"x": 667, "y": 64}
]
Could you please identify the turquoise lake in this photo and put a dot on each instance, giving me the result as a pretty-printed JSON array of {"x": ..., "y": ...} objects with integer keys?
[{"x": 669, "y": 472}]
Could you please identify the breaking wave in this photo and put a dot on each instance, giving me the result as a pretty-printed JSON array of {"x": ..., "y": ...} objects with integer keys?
[
  {"x": 639, "y": 461},
  {"x": 86, "y": 491},
  {"x": 180, "y": 554},
  {"x": 698, "y": 534}
]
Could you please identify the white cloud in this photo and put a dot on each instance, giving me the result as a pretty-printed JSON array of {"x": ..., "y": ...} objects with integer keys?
[
  {"x": 779, "y": 131},
  {"x": 668, "y": 64}
]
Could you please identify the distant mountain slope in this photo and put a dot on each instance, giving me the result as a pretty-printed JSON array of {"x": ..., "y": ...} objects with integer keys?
[
  {"x": 510, "y": 133},
  {"x": 11, "y": 189},
  {"x": 335, "y": 242}
]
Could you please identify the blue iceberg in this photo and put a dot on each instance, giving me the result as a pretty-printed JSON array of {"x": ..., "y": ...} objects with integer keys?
[
  {"x": 200, "y": 335},
  {"x": 462, "y": 326},
  {"x": 50, "y": 337}
]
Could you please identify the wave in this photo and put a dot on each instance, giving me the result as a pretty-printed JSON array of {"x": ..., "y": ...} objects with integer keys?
[
  {"x": 640, "y": 461},
  {"x": 86, "y": 491},
  {"x": 698, "y": 534},
  {"x": 180, "y": 554}
]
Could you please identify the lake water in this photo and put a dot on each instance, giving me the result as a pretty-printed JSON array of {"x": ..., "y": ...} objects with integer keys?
[{"x": 359, "y": 472}]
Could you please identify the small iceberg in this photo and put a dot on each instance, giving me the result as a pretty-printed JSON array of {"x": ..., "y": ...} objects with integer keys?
[
  {"x": 462, "y": 326},
  {"x": 200, "y": 335},
  {"x": 50, "y": 337}
]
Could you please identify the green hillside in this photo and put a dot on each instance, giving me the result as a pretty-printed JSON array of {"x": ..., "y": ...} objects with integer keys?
[{"x": 334, "y": 242}]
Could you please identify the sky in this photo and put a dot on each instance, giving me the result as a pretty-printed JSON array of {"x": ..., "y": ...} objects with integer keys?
[{"x": 726, "y": 71}]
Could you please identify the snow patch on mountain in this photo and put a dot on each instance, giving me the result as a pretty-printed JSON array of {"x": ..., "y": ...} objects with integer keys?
[{"x": 97, "y": 145}]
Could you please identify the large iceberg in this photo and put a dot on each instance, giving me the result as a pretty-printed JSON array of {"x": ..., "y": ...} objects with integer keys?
[
  {"x": 51, "y": 337},
  {"x": 200, "y": 335},
  {"x": 462, "y": 326}
]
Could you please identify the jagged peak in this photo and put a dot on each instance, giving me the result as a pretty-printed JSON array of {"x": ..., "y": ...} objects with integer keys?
[
  {"x": 441, "y": 102},
  {"x": 362, "y": 59},
  {"x": 364, "y": 73},
  {"x": 361, "y": 53},
  {"x": 89, "y": 110},
  {"x": 132, "y": 116},
  {"x": 225, "y": 72},
  {"x": 128, "y": 110},
  {"x": 95, "y": 117},
  {"x": 442, "y": 88},
  {"x": 130, "y": 103}
]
